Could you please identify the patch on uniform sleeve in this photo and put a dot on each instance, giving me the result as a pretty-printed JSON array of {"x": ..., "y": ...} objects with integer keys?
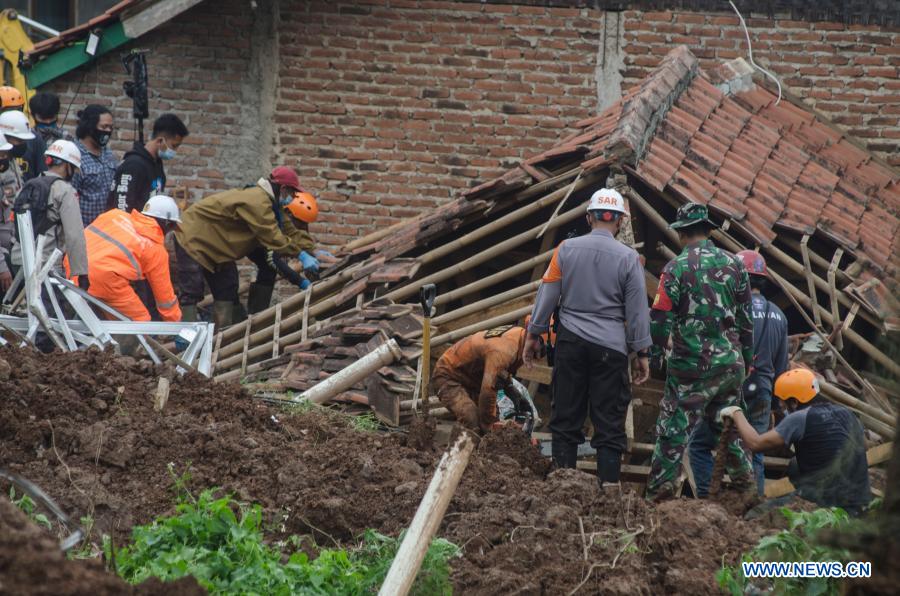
[{"x": 662, "y": 300}]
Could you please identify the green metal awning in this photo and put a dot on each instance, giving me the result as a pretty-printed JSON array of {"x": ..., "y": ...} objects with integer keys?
[{"x": 72, "y": 56}]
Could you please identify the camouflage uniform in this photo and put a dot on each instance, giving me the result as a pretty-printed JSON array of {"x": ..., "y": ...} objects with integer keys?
[{"x": 704, "y": 303}]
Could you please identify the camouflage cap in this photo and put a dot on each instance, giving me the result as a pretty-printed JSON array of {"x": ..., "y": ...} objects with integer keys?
[{"x": 690, "y": 214}]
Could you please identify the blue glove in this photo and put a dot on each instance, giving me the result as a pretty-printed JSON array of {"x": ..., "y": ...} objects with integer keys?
[
  {"x": 304, "y": 283},
  {"x": 309, "y": 262}
]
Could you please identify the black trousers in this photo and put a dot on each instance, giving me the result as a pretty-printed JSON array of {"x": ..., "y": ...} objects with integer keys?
[
  {"x": 265, "y": 275},
  {"x": 589, "y": 378},
  {"x": 223, "y": 282}
]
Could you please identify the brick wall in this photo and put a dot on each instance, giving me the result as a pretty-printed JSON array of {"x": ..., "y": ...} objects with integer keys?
[
  {"x": 850, "y": 74},
  {"x": 390, "y": 108},
  {"x": 199, "y": 68}
]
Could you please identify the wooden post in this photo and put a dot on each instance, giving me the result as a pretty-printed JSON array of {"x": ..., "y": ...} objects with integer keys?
[
  {"x": 835, "y": 312},
  {"x": 162, "y": 394},
  {"x": 810, "y": 284},
  {"x": 425, "y": 523}
]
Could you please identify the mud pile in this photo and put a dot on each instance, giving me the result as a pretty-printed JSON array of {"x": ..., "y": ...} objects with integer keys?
[{"x": 83, "y": 428}]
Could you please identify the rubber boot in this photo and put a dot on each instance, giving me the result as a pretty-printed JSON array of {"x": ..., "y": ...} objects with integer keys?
[
  {"x": 189, "y": 313},
  {"x": 259, "y": 297},
  {"x": 564, "y": 455},
  {"x": 223, "y": 313},
  {"x": 608, "y": 467}
]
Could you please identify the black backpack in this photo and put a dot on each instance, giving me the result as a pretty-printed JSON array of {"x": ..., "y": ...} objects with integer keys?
[{"x": 34, "y": 198}]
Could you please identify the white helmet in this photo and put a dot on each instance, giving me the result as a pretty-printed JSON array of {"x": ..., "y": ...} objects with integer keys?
[
  {"x": 606, "y": 199},
  {"x": 15, "y": 124},
  {"x": 162, "y": 207},
  {"x": 66, "y": 151},
  {"x": 4, "y": 144}
]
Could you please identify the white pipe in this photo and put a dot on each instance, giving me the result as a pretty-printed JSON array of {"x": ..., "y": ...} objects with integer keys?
[
  {"x": 342, "y": 380},
  {"x": 38, "y": 26}
]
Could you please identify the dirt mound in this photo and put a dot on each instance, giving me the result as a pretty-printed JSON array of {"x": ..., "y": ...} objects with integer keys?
[
  {"x": 31, "y": 563},
  {"x": 82, "y": 427}
]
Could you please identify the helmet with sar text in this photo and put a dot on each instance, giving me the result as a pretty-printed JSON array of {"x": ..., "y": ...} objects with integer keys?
[
  {"x": 606, "y": 203},
  {"x": 66, "y": 151}
]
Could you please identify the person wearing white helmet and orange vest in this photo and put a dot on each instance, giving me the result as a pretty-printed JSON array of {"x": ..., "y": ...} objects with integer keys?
[
  {"x": 598, "y": 284},
  {"x": 28, "y": 148},
  {"x": 829, "y": 467},
  {"x": 770, "y": 359},
  {"x": 53, "y": 204},
  {"x": 127, "y": 247}
]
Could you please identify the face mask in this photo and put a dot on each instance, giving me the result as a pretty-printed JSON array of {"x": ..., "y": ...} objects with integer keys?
[
  {"x": 101, "y": 136},
  {"x": 45, "y": 125},
  {"x": 284, "y": 201},
  {"x": 167, "y": 153},
  {"x": 4, "y": 164},
  {"x": 18, "y": 150}
]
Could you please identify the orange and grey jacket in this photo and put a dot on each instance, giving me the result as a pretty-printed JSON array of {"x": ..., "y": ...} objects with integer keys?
[{"x": 599, "y": 285}]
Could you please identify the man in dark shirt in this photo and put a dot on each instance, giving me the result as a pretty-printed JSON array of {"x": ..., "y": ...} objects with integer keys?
[
  {"x": 830, "y": 467},
  {"x": 141, "y": 172},
  {"x": 770, "y": 359}
]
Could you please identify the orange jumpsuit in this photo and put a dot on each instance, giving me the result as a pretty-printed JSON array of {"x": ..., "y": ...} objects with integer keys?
[
  {"x": 125, "y": 247},
  {"x": 465, "y": 377}
]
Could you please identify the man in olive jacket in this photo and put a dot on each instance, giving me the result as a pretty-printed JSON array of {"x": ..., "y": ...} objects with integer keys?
[{"x": 224, "y": 228}]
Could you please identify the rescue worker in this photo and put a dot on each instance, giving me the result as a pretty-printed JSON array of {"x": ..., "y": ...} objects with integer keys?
[
  {"x": 467, "y": 376},
  {"x": 225, "y": 227},
  {"x": 598, "y": 285},
  {"x": 98, "y": 166},
  {"x": 298, "y": 214},
  {"x": 702, "y": 307},
  {"x": 830, "y": 467},
  {"x": 45, "y": 111},
  {"x": 30, "y": 153},
  {"x": 141, "y": 173},
  {"x": 770, "y": 359},
  {"x": 10, "y": 183},
  {"x": 60, "y": 219},
  {"x": 126, "y": 247}
]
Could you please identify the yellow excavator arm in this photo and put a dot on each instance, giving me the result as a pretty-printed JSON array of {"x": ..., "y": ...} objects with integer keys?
[{"x": 13, "y": 42}]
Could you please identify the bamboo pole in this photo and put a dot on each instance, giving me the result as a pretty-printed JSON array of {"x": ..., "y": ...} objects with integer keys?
[
  {"x": 490, "y": 280},
  {"x": 839, "y": 395},
  {"x": 425, "y": 523},
  {"x": 486, "y": 255},
  {"x": 385, "y": 355},
  {"x": 376, "y": 235},
  {"x": 487, "y": 302}
]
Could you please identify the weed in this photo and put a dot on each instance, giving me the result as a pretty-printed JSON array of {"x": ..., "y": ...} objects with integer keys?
[
  {"x": 219, "y": 541},
  {"x": 795, "y": 544},
  {"x": 27, "y": 505}
]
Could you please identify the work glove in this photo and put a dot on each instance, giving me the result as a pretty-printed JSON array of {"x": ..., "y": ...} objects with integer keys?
[
  {"x": 309, "y": 262},
  {"x": 304, "y": 283},
  {"x": 727, "y": 412},
  {"x": 83, "y": 282}
]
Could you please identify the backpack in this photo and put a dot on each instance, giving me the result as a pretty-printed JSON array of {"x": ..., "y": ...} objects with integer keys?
[{"x": 35, "y": 198}]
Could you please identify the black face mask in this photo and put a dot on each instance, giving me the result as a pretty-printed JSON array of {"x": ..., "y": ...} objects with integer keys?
[
  {"x": 4, "y": 165},
  {"x": 18, "y": 150},
  {"x": 101, "y": 136}
]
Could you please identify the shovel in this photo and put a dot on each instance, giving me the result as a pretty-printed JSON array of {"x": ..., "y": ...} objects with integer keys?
[{"x": 426, "y": 298}]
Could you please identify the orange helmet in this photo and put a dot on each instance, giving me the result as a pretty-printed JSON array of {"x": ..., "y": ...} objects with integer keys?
[
  {"x": 549, "y": 336},
  {"x": 800, "y": 384},
  {"x": 304, "y": 207},
  {"x": 11, "y": 98}
]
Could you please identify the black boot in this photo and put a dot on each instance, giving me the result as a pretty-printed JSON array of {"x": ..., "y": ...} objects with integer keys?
[
  {"x": 565, "y": 455},
  {"x": 608, "y": 465},
  {"x": 258, "y": 297}
]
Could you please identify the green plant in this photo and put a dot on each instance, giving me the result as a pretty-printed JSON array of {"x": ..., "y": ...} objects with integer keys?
[
  {"x": 219, "y": 541},
  {"x": 27, "y": 505},
  {"x": 796, "y": 544},
  {"x": 364, "y": 423}
]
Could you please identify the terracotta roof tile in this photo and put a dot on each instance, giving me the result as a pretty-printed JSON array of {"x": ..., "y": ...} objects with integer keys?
[
  {"x": 78, "y": 32},
  {"x": 660, "y": 163}
]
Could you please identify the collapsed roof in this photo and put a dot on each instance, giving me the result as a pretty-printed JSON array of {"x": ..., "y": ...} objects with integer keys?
[{"x": 778, "y": 177}]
